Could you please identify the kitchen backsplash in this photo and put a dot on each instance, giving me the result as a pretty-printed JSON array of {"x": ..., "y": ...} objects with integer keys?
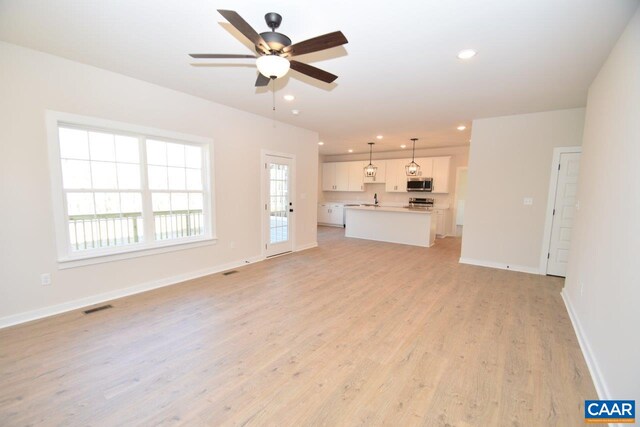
[{"x": 391, "y": 199}]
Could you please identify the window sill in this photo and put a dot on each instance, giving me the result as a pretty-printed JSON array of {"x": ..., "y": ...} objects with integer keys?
[{"x": 81, "y": 260}]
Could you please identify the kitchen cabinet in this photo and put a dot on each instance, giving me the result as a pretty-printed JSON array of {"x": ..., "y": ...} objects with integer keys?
[
  {"x": 380, "y": 173},
  {"x": 349, "y": 176},
  {"x": 441, "y": 222},
  {"x": 331, "y": 214},
  {"x": 426, "y": 166},
  {"x": 328, "y": 176},
  {"x": 356, "y": 176},
  {"x": 441, "y": 166},
  {"x": 396, "y": 177},
  {"x": 335, "y": 176}
]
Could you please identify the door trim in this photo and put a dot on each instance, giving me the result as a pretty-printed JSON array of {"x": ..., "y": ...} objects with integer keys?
[
  {"x": 553, "y": 185},
  {"x": 454, "y": 226},
  {"x": 264, "y": 229}
]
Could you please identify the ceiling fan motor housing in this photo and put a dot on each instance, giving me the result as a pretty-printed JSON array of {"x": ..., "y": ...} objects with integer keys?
[{"x": 276, "y": 41}]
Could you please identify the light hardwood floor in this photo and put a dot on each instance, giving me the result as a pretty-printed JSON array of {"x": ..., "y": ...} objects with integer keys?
[{"x": 350, "y": 333}]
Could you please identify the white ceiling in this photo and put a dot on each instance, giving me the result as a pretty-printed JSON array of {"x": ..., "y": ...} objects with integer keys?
[{"x": 398, "y": 76}]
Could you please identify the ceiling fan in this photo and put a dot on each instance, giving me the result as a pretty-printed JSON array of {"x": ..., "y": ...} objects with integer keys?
[{"x": 274, "y": 49}]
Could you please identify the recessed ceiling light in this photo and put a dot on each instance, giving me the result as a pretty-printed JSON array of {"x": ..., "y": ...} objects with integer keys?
[
  {"x": 403, "y": 146},
  {"x": 467, "y": 54},
  {"x": 350, "y": 150},
  {"x": 295, "y": 112},
  {"x": 379, "y": 136},
  {"x": 461, "y": 127},
  {"x": 320, "y": 143},
  {"x": 289, "y": 97}
]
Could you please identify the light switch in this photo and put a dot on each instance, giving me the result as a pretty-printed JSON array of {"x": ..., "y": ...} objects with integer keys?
[
  {"x": 528, "y": 201},
  {"x": 45, "y": 279}
]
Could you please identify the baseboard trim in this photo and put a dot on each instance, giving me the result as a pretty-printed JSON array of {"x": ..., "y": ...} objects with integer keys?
[
  {"x": 501, "y": 266},
  {"x": 326, "y": 224},
  {"x": 52, "y": 310},
  {"x": 28, "y": 316},
  {"x": 596, "y": 374},
  {"x": 307, "y": 246}
]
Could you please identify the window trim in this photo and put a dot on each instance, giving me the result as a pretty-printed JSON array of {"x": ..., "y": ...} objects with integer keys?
[{"x": 65, "y": 257}]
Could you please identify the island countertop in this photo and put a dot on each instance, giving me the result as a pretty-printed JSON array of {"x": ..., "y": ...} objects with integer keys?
[{"x": 389, "y": 209}]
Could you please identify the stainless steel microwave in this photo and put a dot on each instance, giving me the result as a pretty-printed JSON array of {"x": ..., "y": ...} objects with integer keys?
[{"x": 420, "y": 184}]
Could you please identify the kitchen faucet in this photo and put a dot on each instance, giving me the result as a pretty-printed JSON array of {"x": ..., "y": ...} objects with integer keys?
[{"x": 375, "y": 199}]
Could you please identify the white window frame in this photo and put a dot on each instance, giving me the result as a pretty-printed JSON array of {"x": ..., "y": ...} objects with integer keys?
[{"x": 68, "y": 258}]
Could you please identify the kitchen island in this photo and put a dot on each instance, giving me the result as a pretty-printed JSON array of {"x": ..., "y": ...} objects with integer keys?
[{"x": 391, "y": 224}]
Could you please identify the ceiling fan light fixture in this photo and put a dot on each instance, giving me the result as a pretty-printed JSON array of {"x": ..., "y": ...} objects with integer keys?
[{"x": 272, "y": 66}]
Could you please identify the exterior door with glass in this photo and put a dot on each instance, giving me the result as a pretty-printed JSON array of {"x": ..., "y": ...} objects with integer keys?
[{"x": 278, "y": 206}]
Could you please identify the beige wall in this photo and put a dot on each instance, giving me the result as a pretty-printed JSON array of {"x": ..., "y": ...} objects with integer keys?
[
  {"x": 459, "y": 157},
  {"x": 510, "y": 159},
  {"x": 32, "y": 82},
  {"x": 602, "y": 289}
]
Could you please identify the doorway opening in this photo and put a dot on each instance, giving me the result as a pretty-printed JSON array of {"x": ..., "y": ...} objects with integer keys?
[{"x": 461, "y": 195}]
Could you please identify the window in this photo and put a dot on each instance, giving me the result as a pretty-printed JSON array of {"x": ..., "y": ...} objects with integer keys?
[{"x": 124, "y": 188}]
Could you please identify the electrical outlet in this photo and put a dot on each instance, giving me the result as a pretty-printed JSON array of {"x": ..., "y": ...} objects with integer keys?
[
  {"x": 232, "y": 245},
  {"x": 45, "y": 279},
  {"x": 528, "y": 201}
]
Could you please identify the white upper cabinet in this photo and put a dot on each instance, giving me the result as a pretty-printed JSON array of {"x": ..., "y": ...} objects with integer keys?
[
  {"x": 343, "y": 176},
  {"x": 441, "y": 166},
  {"x": 381, "y": 173},
  {"x": 356, "y": 176},
  {"x": 426, "y": 166},
  {"x": 349, "y": 176},
  {"x": 329, "y": 176},
  {"x": 396, "y": 177}
]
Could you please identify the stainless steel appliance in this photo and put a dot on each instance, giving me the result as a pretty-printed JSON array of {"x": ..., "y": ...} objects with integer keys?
[
  {"x": 420, "y": 184},
  {"x": 421, "y": 203}
]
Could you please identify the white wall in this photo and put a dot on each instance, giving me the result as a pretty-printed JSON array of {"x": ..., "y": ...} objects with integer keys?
[
  {"x": 459, "y": 157},
  {"x": 32, "y": 82},
  {"x": 510, "y": 159},
  {"x": 602, "y": 290}
]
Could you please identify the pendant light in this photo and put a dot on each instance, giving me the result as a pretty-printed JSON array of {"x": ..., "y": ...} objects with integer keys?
[
  {"x": 370, "y": 170},
  {"x": 413, "y": 168}
]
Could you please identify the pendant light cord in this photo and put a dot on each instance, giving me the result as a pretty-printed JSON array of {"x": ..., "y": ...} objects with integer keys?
[{"x": 413, "y": 155}]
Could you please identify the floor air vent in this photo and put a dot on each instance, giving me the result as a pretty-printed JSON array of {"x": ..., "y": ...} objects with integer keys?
[
  {"x": 93, "y": 310},
  {"x": 227, "y": 273}
]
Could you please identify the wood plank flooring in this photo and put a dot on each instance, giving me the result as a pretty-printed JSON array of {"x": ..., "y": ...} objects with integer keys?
[{"x": 353, "y": 332}]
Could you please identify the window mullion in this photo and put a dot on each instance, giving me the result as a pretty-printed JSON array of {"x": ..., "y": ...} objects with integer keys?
[
  {"x": 147, "y": 207},
  {"x": 205, "y": 176}
]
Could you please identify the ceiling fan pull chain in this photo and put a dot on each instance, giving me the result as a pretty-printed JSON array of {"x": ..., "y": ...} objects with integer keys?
[{"x": 273, "y": 91}]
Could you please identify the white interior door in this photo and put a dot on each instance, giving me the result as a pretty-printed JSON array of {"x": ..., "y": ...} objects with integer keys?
[
  {"x": 278, "y": 206},
  {"x": 563, "y": 213}
]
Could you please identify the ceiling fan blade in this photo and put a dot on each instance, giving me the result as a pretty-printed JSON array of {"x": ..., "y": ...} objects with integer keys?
[
  {"x": 218, "y": 56},
  {"x": 312, "y": 71},
  {"x": 316, "y": 44},
  {"x": 246, "y": 29},
  {"x": 262, "y": 80}
]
